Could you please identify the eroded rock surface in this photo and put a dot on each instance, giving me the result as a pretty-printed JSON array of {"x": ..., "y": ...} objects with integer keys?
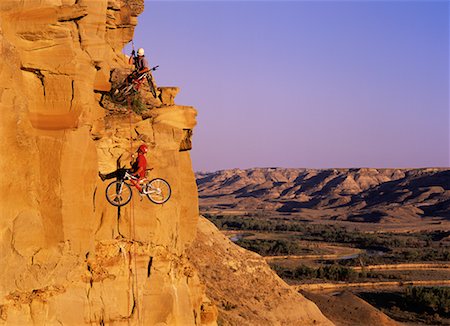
[
  {"x": 68, "y": 257},
  {"x": 355, "y": 195}
]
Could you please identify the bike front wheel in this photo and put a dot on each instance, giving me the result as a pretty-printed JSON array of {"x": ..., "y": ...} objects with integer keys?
[
  {"x": 151, "y": 85},
  {"x": 118, "y": 193},
  {"x": 158, "y": 191}
]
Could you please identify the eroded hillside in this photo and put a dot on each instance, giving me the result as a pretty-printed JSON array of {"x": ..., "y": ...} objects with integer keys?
[
  {"x": 243, "y": 287},
  {"x": 359, "y": 195}
]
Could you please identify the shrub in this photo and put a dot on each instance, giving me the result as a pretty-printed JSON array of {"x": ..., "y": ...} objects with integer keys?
[
  {"x": 329, "y": 272},
  {"x": 270, "y": 247},
  {"x": 137, "y": 104},
  {"x": 434, "y": 299}
]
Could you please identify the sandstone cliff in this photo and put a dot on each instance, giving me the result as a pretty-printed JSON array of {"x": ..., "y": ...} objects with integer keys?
[{"x": 68, "y": 257}]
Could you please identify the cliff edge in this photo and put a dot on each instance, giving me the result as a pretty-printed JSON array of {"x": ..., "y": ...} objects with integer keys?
[{"x": 69, "y": 257}]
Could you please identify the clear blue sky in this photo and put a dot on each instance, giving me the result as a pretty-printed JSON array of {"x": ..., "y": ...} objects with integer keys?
[{"x": 307, "y": 83}]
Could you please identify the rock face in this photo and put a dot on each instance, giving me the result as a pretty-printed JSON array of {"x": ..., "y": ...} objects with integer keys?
[
  {"x": 358, "y": 195},
  {"x": 68, "y": 257}
]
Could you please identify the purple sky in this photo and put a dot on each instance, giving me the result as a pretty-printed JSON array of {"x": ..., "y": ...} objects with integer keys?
[{"x": 307, "y": 83}]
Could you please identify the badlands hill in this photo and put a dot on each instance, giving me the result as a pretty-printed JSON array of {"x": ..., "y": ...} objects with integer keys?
[
  {"x": 359, "y": 195},
  {"x": 67, "y": 256}
]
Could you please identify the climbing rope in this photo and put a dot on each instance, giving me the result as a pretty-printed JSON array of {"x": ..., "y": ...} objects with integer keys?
[
  {"x": 132, "y": 44},
  {"x": 133, "y": 277}
]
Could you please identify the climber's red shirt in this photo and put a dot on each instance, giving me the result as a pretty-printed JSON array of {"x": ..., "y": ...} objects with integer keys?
[{"x": 140, "y": 165}]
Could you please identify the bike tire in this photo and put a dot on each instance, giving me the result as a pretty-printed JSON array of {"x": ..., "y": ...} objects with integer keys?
[
  {"x": 118, "y": 199},
  {"x": 151, "y": 85},
  {"x": 152, "y": 90},
  {"x": 120, "y": 95},
  {"x": 163, "y": 192}
]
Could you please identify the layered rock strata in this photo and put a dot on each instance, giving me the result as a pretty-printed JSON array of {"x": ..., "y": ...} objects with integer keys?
[
  {"x": 356, "y": 195},
  {"x": 68, "y": 257}
]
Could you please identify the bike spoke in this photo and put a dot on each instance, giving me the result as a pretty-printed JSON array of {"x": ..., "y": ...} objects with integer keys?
[
  {"x": 158, "y": 191},
  {"x": 118, "y": 193}
]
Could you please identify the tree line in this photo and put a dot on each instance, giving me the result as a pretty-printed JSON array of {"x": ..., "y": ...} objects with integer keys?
[{"x": 433, "y": 299}]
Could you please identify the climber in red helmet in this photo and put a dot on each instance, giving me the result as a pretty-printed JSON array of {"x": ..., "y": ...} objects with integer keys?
[
  {"x": 138, "y": 169},
  {"x": 140, "y": 165}
]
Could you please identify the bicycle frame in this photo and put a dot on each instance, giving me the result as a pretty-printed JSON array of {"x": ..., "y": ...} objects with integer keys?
[
  {"x": 145, "y": 191},
  {"x": 137, "y": 83},
  {"x": 120, "y": 192},
  {"x": 131, "y": 85}
]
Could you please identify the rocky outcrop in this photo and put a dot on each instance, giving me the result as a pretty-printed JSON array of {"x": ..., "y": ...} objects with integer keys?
[{"x": 68, "y": 257}]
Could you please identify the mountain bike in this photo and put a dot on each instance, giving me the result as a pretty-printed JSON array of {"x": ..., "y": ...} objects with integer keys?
[
  {"x": 119, "y": 192},
  {"x": 131, "y": 86}
]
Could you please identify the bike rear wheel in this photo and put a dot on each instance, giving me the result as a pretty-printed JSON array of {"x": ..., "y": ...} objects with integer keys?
[
  {"x": 118, "y": 193},
  {"x": 119, "y": 95},
  {"x": 158, "y": 191}
]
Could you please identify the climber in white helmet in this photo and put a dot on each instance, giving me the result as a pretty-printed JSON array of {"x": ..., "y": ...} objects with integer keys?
[
  {"x": 141, "y": 67},
  {"x": 139, "y": 61}
]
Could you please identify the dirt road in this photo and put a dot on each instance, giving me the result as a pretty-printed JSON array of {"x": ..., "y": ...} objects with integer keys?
[
  {"x": 387, "y": 284},
  {"x": 404, "y": 267}
]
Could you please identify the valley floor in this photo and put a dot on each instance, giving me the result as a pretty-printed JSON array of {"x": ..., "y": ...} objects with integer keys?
[{"x": 362, "y": 263}]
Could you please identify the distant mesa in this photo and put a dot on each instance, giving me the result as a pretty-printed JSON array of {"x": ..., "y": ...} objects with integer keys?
[{"x": 357, "y": 195}]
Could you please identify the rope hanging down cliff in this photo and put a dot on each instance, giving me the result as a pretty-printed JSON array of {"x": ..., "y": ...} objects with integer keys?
[{"x": 133, "y": 227}]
